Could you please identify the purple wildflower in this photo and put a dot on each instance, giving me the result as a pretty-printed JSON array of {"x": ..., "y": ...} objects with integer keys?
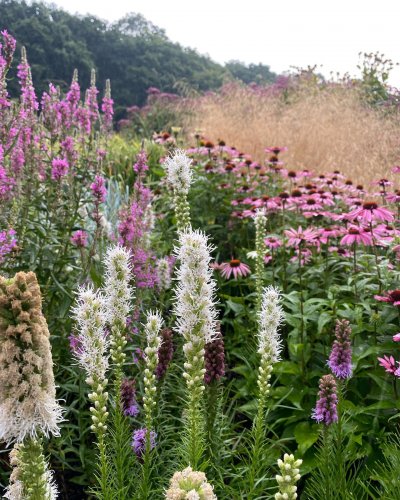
[
  {"x": 75, "y": 344},
  {"x": 8, "y": 47},
  {"x": 340, "y": 357},
  {"x": 59, "y": 168},
  {"x": 165, "y": 352},
  {"x": 8, "y": 243},
  {"x": 139, "y": 441},
  {"x": 128, "y": 398},
  {"x": 79, "y": 238},
  {"x": 326, "y": 407},
  {"x": 214, "y": 359},
  {"x": 98, "y": 188},
  {"x": 107, "y": 107},
  {"x": 141, "y": 162}
]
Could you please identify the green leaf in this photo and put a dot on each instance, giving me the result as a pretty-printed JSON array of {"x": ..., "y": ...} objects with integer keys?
[{"x": 306, "y": 435}]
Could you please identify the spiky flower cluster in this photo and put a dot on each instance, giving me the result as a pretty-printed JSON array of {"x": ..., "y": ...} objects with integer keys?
[
  {"x": 91, "y": 351},
  {"x": 152, "y": 331},
  {"x": 196, "y": 322},
  {"x": 30, "y": 477},
  {"x": 326, "y": 407},
  {"x": 290, "y": 474},
  {"x": 194, "y": 304},
  {"x": 118, "y": 295},
  {"x": 340, "y": 357},
  {"x": 179, "y": 171},
  {"x": 260, "y": 222},
  {"x": 189, "y": 485},
  {"x": 179, "y": 176},
  {"x": 28, "y": 406},
  {"x": 269, "y": 343},
  {"x": 91, "y": 341},
  {"x": 164, "y": 271}
]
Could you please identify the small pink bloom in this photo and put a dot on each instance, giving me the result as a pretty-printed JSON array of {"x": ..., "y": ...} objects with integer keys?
[
  {"x": 396, "y": 337},
  {"x": 391, "y": 297},
  {"x": 234, "y": 267},
  {"x": 388, "y": 363}
]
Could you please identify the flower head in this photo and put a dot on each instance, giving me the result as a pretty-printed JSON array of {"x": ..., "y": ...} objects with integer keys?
[
  {"x": 139, "y": 441},
  {"x": 128, "y": 398},
  {"x": 189, "y": 485},
  {"x": 28, "y": 407},
  {"x": 194, "y": 303},
  {"x": 79, "y": 238},
  {"x": 98, "y": 188},
  {"x": 214, "y": 359},
  {"x": 326, "y": 408},
  {"x": 91, "y": 340},
  {"x": 179, "y": 173},
  {"x": 118, "y": 291},
  {"x": 269, "y": 319},
  {"x": 391, "y": 297},
  {"x": 234, "y": 268},
  {"x": 340, "y": 357}
]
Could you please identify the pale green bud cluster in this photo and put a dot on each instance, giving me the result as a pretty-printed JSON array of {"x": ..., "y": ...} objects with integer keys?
[
  {"x": 98, "y": 398},
  {"x": 260, "y": 221},
  {"x": 290, "y": 474},
  {"x": 152, "y": 331},
  {"x": 30, "y": 477}
]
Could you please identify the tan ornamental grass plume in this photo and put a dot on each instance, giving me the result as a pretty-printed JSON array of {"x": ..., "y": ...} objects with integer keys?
[
  {"x": 28, "y": 407},
  {"x": 325, "y": 129}
]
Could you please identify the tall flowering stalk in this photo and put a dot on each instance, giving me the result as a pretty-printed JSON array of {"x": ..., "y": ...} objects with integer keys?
[
  {"x": 270, "y": 317},
  {"x": 260, "y": 221},
  {"x": 196, "y": 322},
  {"x": 28, "y": 408},
  {"x": 153, "y": 342},
  {"x": 179, "y": 176},
  {"x": 90, "y": 349},
  {"x": 118, "y": 296}
]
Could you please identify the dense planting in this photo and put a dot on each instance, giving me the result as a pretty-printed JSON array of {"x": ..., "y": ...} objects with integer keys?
[{"x": 220, "y": 327}]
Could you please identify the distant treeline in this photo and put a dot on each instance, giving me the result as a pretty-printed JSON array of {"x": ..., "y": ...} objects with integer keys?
[{"x": 134, "y": 53}]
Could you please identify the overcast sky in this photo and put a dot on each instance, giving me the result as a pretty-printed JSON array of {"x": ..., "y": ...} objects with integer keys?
[{"x": 280, "y": 33}]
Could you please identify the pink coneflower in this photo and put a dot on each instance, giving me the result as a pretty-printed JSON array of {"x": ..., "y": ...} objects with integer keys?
[
  {"x": 396, "y": 338},
  {"x": 357, "y": 235},
  {"x": 308, "y": 235},
  {"x": 391, "y": 297},
  {"x": 235, "y": 267},
  {"x": 389, "y": 364},
  {"x": 275, "y": 149},
  {"x": 272, "y": 242},
  {"x": 370, "y": 211}
]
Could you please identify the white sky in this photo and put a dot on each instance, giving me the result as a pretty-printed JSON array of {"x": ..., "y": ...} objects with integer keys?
[{"x": 280, "y": 33}]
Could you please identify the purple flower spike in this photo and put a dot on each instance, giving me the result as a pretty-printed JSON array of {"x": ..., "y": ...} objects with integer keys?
[
  {"x": 340, "y": 358},
  {"x": 139, "y": 441},
  {"x": 128, "y": 397},
  {"x": 326, "y": 409}
]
